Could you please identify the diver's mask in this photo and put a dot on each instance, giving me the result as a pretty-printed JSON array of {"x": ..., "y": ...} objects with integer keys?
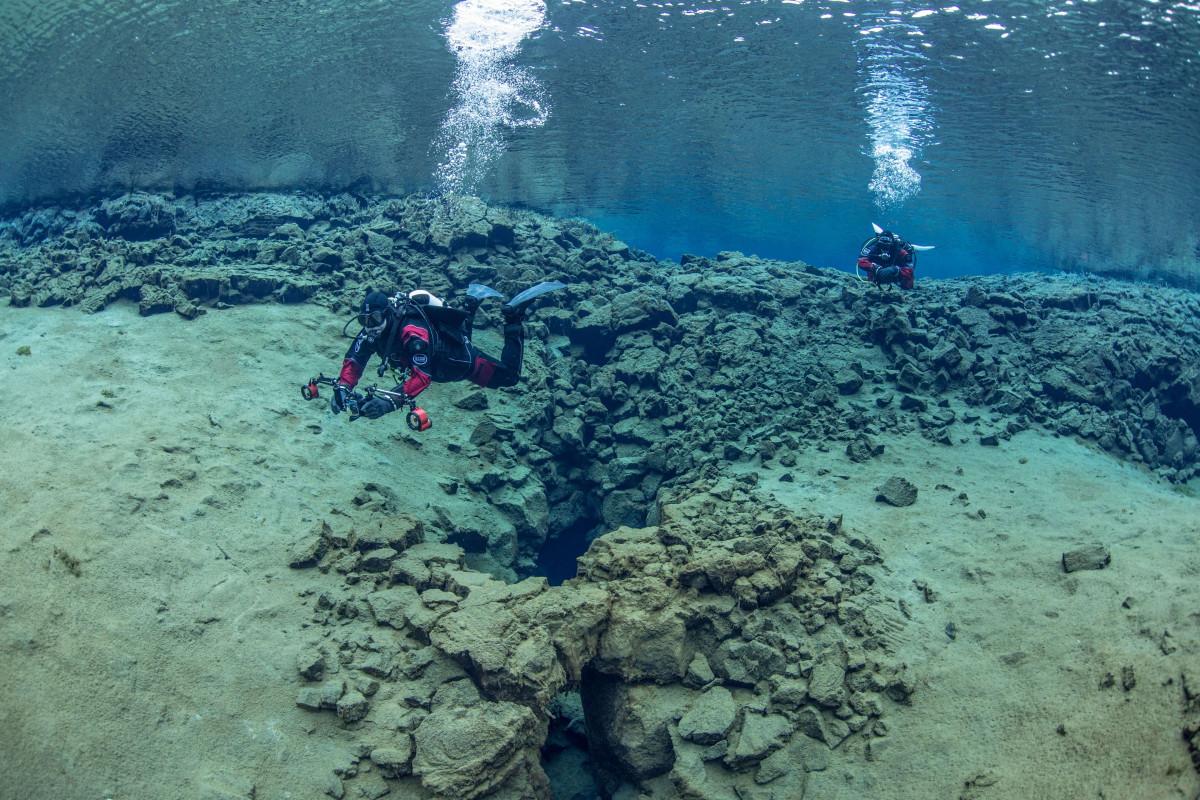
[
  {"x": 374, "y": 324},
  {"x": 375, "y": 314}
]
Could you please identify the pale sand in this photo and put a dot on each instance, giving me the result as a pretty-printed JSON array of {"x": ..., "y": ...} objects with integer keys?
[
  {"x": 165, "y": 669},
  {"x": 1032, "y": 643}
]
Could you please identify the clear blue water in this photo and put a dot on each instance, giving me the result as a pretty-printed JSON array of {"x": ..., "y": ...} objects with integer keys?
[{"x": 1013, "y": 134}]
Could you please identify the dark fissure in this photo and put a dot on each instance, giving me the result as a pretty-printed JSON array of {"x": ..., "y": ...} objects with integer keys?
[
  {"x": 567, "y": 755},
  {"x": 556, "y": 560}
]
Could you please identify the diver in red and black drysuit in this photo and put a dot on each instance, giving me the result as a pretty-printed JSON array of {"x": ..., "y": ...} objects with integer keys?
[
  {"x": 886, "y": 258},
  {"x": 431, "y": 340}
]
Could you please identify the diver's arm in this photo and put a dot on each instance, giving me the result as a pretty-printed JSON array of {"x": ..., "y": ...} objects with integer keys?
[
  {"x": 415, "y": 340},
  {"x": 870, "y": 250},
  {"x": 417, "y": 382},
  {"x": 357, "y": 356}
]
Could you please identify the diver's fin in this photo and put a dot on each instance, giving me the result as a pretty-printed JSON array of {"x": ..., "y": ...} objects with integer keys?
[
  {"x": 522, "y": 299},
  {"x": 481, "y": 292},
  {"x": 922, "y": 247},
  {"x": 876, "y": 228}
]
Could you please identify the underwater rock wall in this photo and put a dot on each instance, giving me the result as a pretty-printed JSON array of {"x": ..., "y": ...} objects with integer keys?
[
  {"x": 732, "y": 341},
  {"x": 646, "y": 370},
  {"x": 721, "y": 652}
]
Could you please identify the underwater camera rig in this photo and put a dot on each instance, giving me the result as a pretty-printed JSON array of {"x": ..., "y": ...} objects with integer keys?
[{"x": 417, "y": 418}]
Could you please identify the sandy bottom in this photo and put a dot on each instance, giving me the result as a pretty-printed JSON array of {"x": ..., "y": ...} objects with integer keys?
[
  {"x": 154, "y": 471},
  {"x": 1030, "y": 646}
]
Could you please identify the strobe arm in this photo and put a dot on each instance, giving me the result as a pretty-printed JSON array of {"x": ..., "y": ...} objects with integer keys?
[{"x": 309, "y": 390}]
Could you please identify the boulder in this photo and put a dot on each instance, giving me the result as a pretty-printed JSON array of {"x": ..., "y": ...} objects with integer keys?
[
  {"x": 848, "y": 382},
  {"x": 470, "y": 752},
  {"x": 897, "y": 491},
  {"x": 863, "y": 448},
  {"x": 395, "y": 760},
  {"x": 1095, "y": 556},
  {"x": 710, "y": 717},
  {"x": 759, "y": 736},
  {"x": 826, "y": 683},
  {"x": 747, "y": 663},
  {"x": 137, "y": 216},
  {"x": 352, "y": 706},
  {"x": 628, "y": 724}
]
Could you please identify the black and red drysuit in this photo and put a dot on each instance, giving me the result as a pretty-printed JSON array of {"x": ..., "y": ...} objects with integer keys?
[
  {"x": 886, "y": 258},
  {"x": 434, "y": 344}
]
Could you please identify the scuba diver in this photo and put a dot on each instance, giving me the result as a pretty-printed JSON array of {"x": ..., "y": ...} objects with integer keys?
[
  {"x": 430, "y": 341},
  {"x": 886, "y": 258}
]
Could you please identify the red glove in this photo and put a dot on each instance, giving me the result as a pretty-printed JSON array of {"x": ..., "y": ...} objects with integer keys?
[{"x": 865, "y": 264}]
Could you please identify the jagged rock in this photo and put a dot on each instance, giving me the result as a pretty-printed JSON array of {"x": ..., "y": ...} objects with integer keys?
[
  {"x": 327, "y": 256},
  {"x": 691, "y": 778},
  {"x": 427, "y": 564},
  {"x": 472, "y": 751},
  {"x": 628, "y": 724},
  {"x": 789, "y": 694},
  {"x": 640, "y": 310},
  {"x": 897, "y": 491},
  {"x": 310, "y": 663},
  {"x": 746, "y": 663},
  {"x": 826, "y": 683},
  {"x": 326, "y": 695},
  {"x": 397, "y": 532},
  {"x": 307, "y": 550},
  {"x": 719, "y": 569},
  {"x": 784, "y": 770},
  {"x": 154, "y": 300},
  {"x": 645, "y": 639},
  {"x": 647, "y": 334},
  {"x": 863, "y": 448},
  {"x": 731, "y": 291},
  {"x": 759, "y": 736},
  {"x": 624, "y": 507},
  {"x": 848, "y": 382},
  {"x": 395, "y": 760},
  {"x": 352, "y": 706},
  {"x": 811, "y": 724},
  {"x": 710, "y": 717},
  {"x": 138, "y": 216},
  {"x": 378, "y": 560},
  {"x": 473, "y": 401},
  {"x": 522, "y": 642},
  {"x": 394, "y": 605},
  {"x": 830, "y": 730},
  {"x": 637, "y": 631},
  {"x": 1094, "y": 556},
  {"x": 699, "y": 673}
]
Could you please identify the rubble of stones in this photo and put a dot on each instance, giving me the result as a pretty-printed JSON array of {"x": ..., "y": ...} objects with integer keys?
[
  {"x": 724, "y": 651},
  {"x": 1190, "y": 690},
  {"x": 645, "y": 370}
]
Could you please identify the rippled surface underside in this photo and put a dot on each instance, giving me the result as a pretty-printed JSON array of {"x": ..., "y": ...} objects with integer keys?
[{"x": 1010, "y": 134}]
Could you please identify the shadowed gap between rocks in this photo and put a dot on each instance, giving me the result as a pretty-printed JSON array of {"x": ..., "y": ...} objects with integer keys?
[
  {"x": 567, "y": 756},
  {"x": 556, "y": 561}
]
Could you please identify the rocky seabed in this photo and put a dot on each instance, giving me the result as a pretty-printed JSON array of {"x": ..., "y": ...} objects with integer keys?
[{"x": 713, "y": 645}]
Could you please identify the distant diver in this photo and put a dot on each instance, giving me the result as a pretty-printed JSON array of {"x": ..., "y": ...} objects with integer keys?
[
  {"x": 426, "y": 340},
  {"x": 886, "y": 258}
]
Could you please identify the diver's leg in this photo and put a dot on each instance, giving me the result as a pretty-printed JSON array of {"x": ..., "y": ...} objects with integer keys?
[
  {"x": 469, "y": 305},
  {"x": 887, "y": 274},
  {"x": 505, "y": 371}
]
